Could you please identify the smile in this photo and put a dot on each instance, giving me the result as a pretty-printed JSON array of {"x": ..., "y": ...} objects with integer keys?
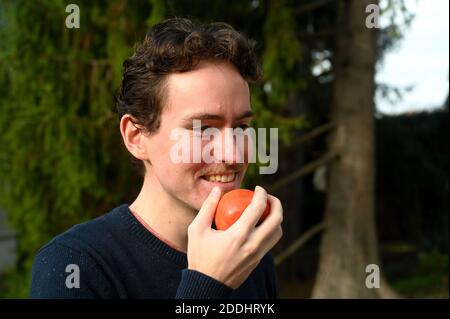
[{"x": 225, "y": 178}]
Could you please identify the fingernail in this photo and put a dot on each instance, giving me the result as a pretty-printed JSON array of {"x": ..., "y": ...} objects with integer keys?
[{"x": 215, "y": 190}]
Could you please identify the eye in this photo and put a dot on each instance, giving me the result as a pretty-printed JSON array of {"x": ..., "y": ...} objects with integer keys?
[
  {"x": 244, "y": 126},
  {"x": 201, "y": 128},
  {"x": 205, "y": 127}
]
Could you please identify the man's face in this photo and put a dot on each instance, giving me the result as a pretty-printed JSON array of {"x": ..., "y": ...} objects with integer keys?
[{"x": 216, "y": 94}]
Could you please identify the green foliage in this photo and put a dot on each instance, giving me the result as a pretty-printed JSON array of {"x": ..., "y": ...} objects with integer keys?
[
  {"x": 282, "y": 53},
  {"x": 400, "y": 19},
  {"x": 15, "y": 284},
  {"x": 60, "y": 147},
  {"x": 429, "y": 279}
]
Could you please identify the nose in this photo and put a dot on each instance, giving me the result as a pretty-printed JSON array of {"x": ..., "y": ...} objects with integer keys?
[{"x": 226, "y": 150}]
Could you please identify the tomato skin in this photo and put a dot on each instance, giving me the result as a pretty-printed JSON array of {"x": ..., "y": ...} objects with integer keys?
[{"x": 232, "y": 205}]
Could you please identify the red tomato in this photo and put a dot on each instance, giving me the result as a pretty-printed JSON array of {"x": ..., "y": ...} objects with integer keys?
[{"x": 232, "y": 205}]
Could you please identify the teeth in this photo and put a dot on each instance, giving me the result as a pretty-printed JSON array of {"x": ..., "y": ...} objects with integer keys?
[{"x": 220, "y": 178}]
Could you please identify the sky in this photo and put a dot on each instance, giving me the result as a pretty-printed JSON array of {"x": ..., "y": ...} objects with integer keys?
[{"x": 420, "y": 60}]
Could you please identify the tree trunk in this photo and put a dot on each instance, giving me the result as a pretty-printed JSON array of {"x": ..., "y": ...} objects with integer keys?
[{"x": 349, "y": 242}]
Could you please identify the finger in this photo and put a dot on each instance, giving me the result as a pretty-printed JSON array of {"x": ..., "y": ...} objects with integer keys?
[
  {"x": 272, "y": 221},
  {"x": 254, "y": 210},
  {"x": 270, "y": 242},
  {"x": 206, "y": 214}
]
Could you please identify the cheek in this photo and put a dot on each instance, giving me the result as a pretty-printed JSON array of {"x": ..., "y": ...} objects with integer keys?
[
  {"x": 179, "y": 181},
  {"x": 167, "y": 157},
  {"x": 171, "y": 174}
]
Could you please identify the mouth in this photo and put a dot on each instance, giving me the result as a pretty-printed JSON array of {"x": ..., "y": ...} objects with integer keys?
[
  {"x": 226, "y": 179},
  {"x": 222, "y": 178}
]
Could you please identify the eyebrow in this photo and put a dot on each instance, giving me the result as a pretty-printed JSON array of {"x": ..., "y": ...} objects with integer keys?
[{"x": 210, "y": 116}]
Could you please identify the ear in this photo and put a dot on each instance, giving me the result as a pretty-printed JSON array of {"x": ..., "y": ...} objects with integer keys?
[{"x": 133, "y": 137}]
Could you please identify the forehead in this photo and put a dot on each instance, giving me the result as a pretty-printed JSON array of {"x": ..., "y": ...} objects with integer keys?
[{"x": 215, "y": 88}]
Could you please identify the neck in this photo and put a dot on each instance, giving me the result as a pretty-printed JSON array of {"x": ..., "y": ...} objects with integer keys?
[{"x": 163, "y": 213}]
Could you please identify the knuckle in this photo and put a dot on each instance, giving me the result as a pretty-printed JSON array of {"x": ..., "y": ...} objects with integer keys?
[
  {"x": 239, "y": 238},
  {"x": 279, "y": 205},
  {"x": 280, "y": 219},
  {"x": 276, "y": 219},
  {"x": 276, "y": 200},
  {"x": 250, "y": 250}
]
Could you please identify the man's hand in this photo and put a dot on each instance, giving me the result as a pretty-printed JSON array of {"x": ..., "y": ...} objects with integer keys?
[{"x": 230, "y": 256}]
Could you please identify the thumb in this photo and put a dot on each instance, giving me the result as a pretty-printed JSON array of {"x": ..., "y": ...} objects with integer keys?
[{"x": 205, "y": 216}]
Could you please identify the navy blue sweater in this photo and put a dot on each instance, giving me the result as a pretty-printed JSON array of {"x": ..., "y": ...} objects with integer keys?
[{"x": 117, "y": 257}]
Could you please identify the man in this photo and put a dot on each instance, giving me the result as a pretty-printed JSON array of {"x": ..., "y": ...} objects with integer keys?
[{"x": 164, "y": 245}]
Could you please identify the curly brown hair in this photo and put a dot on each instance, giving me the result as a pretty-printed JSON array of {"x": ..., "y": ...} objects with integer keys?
[{"x": 177, "y": 45}]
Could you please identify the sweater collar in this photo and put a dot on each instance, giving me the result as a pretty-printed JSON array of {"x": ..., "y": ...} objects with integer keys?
[{"x": 147, "y": 238}]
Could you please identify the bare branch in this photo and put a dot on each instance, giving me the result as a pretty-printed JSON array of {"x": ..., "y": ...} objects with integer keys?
[
  {"x": 299, "y": 242},
  {"x": 313, "y": 133},
  {"x": 308, "y": 168}
]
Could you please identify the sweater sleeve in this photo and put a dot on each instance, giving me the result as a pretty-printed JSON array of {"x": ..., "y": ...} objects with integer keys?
[
  {"x": 196, "y": 285},
  {"x": 61, "y": 272}
]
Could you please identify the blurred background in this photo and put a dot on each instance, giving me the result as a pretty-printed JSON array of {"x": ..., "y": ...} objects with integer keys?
[{"x": 362, "y": 114}]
